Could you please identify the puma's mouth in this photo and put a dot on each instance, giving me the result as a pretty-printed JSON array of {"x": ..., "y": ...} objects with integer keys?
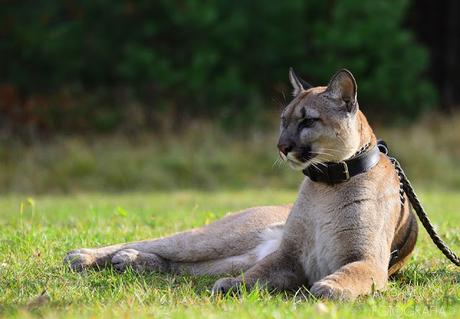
[
  {"x": 296, "y": 165},
  {"x": 304, "y": 154},
  {"x": 299, "y": 159}
]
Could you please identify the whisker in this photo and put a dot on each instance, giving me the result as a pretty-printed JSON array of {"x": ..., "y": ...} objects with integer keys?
[
  {"x": 319, "y": 163},
  {"x": 341, "y": 140},
  {"x": 277, "y": 163},
  {"x": 322, "y": 153},
  {"x": 331, "y": 150},
  {"x": 314, "y": 165},
  {"x": 326, "y": 156}
]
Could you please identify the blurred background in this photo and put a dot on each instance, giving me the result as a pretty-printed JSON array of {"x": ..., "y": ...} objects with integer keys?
[{"x": 164, "y": 95}]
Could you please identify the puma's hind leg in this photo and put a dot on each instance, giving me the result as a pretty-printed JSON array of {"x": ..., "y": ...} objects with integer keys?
[
  {"x": 199, "y": 250},
  {"x": 404, "y": 240}
]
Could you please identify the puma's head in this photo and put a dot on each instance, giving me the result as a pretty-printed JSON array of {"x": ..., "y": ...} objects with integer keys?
[{"x": 322, "y": 124}]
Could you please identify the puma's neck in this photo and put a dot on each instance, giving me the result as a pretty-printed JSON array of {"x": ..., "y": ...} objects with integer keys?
[{"x": 366, "y": 135}]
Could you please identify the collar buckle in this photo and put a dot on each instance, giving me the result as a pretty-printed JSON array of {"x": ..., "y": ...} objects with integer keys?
[
  {"x": 338, "y": 172},
  {"x": 345, "y": 170}
]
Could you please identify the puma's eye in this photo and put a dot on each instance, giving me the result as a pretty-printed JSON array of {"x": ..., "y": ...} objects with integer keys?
[{"x": 308, "y": 122}]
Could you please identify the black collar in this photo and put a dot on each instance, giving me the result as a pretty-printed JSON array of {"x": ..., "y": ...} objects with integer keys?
[{"x": 334, "y": 173}]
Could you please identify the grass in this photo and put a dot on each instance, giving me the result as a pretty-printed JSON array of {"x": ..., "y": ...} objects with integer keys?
[{"x": 36, "y": 232}]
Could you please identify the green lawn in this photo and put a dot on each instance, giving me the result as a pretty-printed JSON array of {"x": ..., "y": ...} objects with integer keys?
[{"x": 36, "y": 232}]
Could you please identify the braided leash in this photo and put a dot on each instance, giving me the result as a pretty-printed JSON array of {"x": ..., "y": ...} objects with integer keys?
[{"x": 413, "y": 199}]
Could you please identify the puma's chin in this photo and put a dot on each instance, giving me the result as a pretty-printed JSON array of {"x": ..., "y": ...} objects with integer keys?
[
  {"x": 297, "y": 165},
  {"x": 297, "y": 161}
]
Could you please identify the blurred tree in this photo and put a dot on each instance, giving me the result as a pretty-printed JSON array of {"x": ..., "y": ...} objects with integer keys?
[
  {"x": 75, "y": 65},
  {"x": 437, "y": 25}
]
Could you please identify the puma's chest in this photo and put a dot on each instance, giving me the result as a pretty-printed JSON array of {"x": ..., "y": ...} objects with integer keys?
[{"x": 326, "y": 226}]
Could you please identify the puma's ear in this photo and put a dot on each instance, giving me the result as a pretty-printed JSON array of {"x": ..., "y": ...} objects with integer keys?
[
  {"x": 343, "y": 86},
  {"x": 297, "y": 83}
]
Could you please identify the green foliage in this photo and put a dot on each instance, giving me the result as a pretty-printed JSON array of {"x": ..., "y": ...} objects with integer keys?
[
  {"x": 219, "y": 59},
  {"x": 36, "y": 234}
]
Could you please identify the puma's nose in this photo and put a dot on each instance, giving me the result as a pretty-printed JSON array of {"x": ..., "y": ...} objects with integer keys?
[{"x": 285, "y": 148}]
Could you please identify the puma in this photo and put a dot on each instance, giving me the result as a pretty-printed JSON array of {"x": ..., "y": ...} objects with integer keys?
[{"x": 337, "y": 239}]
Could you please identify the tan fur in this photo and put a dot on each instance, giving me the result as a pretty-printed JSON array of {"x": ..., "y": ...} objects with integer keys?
[{"x": 336, "y": 240}]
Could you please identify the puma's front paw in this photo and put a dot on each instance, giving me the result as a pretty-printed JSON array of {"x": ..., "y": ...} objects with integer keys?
[
  {"x": 224, "y": 285},
  {"x": 138, "y": 261},
  {"x": 125, "y": 258},
  {"x": 330, "y": 290},
  {"x": 80, "y": 259}
]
